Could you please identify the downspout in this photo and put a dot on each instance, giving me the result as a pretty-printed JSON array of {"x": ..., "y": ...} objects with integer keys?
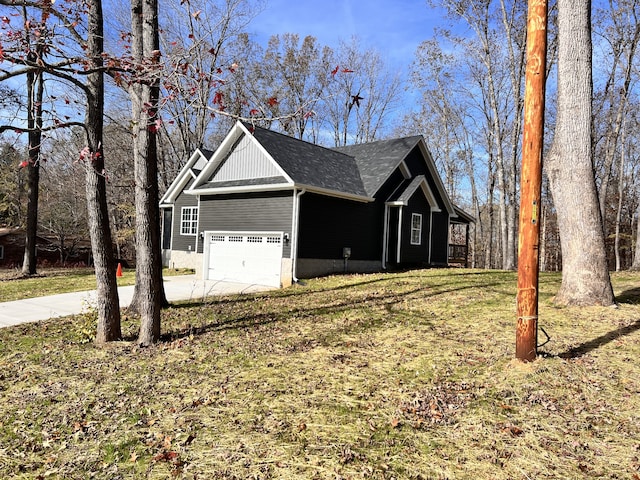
[
  {"x": 385, "y": 237},
  {"x": 430, "y": 232},
  {"x": 294, "y": 232},
  {"x": 399, "y": 234},
  {"x": 197, "y": 228}
]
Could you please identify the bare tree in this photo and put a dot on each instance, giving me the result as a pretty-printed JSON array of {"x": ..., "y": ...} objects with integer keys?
[
  {"x": 361, "y": 97},
  {"x": 70, "y": 61}
]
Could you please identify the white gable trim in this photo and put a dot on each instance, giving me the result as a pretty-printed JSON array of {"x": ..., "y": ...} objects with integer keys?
[
  {"x": 428, "y": 193},
  {"x": 183, "y": 178},
  {"x": 436, "y": 178},
  {"x": 222, "y": 154}
]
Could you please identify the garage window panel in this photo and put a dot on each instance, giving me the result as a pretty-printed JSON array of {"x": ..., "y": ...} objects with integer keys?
[{"x": 189, "y": 221}]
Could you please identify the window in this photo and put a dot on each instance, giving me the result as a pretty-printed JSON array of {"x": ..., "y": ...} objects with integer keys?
[
  {"x": 416, "y": 229},
  {"x": 189, "y": 221}
]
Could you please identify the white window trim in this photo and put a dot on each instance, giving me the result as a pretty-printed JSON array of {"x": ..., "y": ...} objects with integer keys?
[
  {"x": 192, "y": 226},
  {"x": 418, "y": 230}
]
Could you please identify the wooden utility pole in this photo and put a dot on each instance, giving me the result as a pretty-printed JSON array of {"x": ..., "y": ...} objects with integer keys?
[{"x": 530, "y": 182}]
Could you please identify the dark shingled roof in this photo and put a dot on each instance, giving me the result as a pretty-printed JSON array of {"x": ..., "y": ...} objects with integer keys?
[
  {"x": 312, "y": 165},
  {"x": 377, "y": 160}
]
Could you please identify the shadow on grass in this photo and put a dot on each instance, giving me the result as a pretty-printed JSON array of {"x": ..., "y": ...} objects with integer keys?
[
  {"x": 584, "y": 348},
  {"x": 295, "y": 291},
  {"x": 373, "y": 300},
  {"x": 631, "y": 296}
]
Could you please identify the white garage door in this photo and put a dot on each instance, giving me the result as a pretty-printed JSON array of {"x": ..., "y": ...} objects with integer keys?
[{"x": 245, "y": 257}]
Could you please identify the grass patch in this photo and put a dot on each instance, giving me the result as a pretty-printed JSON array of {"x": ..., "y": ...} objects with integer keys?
[
  {"x": 52, "y": 281},
  {"x": 407, "y": 376}
]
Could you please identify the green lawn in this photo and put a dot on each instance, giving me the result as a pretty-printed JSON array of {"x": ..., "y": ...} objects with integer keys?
[
  {"x": 51, "y": 281},
  {"x": 407, "y": 376}
]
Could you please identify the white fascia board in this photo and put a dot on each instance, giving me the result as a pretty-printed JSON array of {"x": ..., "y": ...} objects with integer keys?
[
  {"x": 241, "y": 189},
  {"x": 182, "y": 179},
  {"x": 404, "y": 169},
  {"x": 436, "y": 178},
  {"x": 426, "y": 190},
  {"x": 265, "y": 153},
  {"x": 334, "y": 193},
  {"x": 430, "y": 196},
  {"x": 275, "y": 187}
]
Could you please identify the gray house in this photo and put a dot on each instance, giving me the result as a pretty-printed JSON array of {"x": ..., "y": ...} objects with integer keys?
[{"x": 267, "y": 208}]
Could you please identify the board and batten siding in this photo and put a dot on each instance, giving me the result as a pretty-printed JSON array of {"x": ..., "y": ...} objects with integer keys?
[
  {"x": 255, "y": 212},
  {"x": 416, "y": 254},
  {"x": 246, "y": 161},
  {"x": 440, "y": 242},
  {"x": 329, "y": 224}
]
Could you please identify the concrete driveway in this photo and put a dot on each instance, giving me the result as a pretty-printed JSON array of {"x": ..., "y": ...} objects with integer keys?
[{"x": 185, "y": 287}]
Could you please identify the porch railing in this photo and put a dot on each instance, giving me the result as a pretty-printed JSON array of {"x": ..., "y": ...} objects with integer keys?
[{"x": 458, "y": 254}]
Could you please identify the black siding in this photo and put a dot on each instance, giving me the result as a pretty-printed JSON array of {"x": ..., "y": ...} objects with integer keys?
[
  {"x": 329, "y": 224},
  {"x": 415, "y": 254},
  {"x": 417, "y": 166},
  {"x": 440, "y": 241}
]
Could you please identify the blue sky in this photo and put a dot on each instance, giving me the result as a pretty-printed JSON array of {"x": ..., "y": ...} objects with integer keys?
[{"x": 394, "y": 28}]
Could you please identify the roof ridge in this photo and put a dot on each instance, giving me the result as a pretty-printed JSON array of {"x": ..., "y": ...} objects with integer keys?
[{"x": 317, "y": 145}]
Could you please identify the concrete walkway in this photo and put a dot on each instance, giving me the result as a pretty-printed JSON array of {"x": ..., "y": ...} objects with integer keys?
[{"x": 185, "y": 287}]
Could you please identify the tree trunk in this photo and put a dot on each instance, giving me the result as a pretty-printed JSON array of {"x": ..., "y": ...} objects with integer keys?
[
  {"x": 149, "y": 292},
  {"x": 585, "y": 277},
  {"x": 635, "y": 266},
  {"x": 108, "y": 305},
  {"x": 35, "y": 90},
  {"x": 620, "y": 197}
]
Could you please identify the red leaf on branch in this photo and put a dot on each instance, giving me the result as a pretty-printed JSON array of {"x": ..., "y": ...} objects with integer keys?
[
  {"x": 24, "y": 163},
  {"x": 335, "y": 70},
  {"x": 153, "y": 128},
  {"x": 347, "y": 70},
  {"x": 254, "y": 111},
  {"x": 6, "y": 19},
  {"x": 272, "y": 101},
  {"x": 217, "y": 98}
]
